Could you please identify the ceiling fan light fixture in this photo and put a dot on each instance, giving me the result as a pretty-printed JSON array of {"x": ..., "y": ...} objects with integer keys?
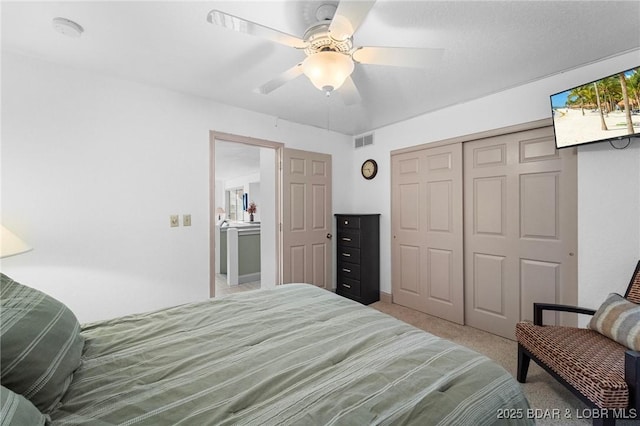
[{"x": 327, "y": 70}]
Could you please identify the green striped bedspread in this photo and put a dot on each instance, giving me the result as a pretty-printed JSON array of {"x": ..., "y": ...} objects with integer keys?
[{"x": 294, "y": 355}]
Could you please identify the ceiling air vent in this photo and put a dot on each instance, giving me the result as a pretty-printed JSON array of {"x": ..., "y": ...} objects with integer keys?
[{"x": 363, "y": 140}]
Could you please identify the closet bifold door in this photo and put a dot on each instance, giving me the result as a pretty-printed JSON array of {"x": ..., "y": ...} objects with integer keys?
[
  {"x": 520, "y": 229},
  {"x": 426, "y": 225}
]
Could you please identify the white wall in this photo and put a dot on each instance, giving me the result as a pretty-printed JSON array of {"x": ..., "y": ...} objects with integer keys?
[
  {"x": 609, "y": 220},
  {"x": 267, "y": 209},
  {"x": 220, "y": 200},
  {"x": 254, "y": 196},
  {"x": 247, "y": 183},
  {"x": 530, "y": 102},
  {"x": 93, "y": 166}
]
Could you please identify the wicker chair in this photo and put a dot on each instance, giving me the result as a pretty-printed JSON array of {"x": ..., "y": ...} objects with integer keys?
[{"x": 602, "y": 373}]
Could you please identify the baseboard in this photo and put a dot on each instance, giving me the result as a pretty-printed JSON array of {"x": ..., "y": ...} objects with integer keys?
[
  {"x": 249, "y": 278},
  {"x": 386, "y": 297}
]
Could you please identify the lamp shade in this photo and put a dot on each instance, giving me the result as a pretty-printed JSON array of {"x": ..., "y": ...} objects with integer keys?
[
  {"x": 10, "y": 244},
  {"x": 327, "y": 70}
]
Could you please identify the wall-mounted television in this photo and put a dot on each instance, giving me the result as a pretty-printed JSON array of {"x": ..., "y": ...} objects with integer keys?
[{"x": 602, "y": 110}]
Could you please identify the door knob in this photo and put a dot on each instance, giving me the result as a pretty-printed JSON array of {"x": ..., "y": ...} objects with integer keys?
[{"x": 329, "y": 236}]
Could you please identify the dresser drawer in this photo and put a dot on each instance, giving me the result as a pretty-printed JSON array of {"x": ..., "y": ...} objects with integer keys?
[
  {"x": 348, "y": 286},
  {"x": 347, "y": 222},
  {"x": 349, "y": 254},
  {"x": 348, "y": 239},
  {"x": 348, "y": 270}
]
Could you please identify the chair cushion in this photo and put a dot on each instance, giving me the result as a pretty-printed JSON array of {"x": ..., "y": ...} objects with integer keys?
[
  {"x": 618, "y": 319},
  {"x": 18, "y": 410},
  {"x": 589, "y": 361},
  {"x": 41, "y": 344}
]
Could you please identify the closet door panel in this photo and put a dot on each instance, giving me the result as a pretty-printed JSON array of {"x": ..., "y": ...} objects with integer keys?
[
  {"x": 520, "y": 229},
  {"x": 427, "y": 252}
]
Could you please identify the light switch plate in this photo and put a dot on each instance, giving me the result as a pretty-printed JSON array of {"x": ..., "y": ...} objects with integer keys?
[
  {"x": 186, "y": 220},
  {"x": 174, "y": 221}
]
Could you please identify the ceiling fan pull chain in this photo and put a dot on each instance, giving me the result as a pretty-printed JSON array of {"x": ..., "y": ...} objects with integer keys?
[{"x": 328, "y": 111}]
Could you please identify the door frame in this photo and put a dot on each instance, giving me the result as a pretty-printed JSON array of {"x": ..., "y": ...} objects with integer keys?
[
  {"x": 261, "y": 143},
  {"x": 545, "y": 122}
]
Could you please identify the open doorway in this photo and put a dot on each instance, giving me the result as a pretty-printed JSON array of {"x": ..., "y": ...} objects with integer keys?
[{"x": 245, "y": 194}]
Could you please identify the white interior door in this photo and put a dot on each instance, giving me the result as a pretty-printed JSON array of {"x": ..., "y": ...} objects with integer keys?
[
  {"x": 426, "y": 221},
  {"x": 520, "y": 229},
  {"x": 307, "y": 218}
]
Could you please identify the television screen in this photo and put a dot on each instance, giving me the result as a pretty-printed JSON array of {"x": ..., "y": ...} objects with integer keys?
[{"x": 602, "y": 110}]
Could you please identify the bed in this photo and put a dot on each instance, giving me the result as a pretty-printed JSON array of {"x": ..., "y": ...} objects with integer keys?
[{"x": 296, "y": 354}]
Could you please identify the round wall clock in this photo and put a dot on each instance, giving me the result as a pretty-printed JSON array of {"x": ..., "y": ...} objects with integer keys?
[{"x": 369, "y": 169}]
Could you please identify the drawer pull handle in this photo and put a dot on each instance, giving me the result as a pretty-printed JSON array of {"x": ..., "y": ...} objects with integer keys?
[
  {"x": 346, "y": 285},
  {"x": 346, "y": 222},
  {"x": 346, "y": 254},
  {"x": 346, "y": 270},
  {"x": 346, "y": 239}
]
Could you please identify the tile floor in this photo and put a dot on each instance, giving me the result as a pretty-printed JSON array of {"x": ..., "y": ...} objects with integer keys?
[{"x": 223, "y": 289}]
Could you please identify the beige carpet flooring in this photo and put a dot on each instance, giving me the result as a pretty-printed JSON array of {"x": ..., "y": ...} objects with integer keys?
[{"x": 542, "y": 391}]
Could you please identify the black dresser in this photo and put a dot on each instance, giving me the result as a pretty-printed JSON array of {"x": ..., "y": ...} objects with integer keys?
[{"x": 358, "y": 252}]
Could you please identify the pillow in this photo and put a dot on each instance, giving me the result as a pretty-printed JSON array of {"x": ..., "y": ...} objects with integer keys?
[
  {"x": 619, "y": 320},
  {"x": 41, "y": 344},
  {"x": 17, "y": 410}
]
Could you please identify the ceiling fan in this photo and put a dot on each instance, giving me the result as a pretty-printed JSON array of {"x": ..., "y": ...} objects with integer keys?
[{"x": 328, "y": 44}]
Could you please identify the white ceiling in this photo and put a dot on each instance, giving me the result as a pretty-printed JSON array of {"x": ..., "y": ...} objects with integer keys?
[
  {"x": 489, "y": 46},
  {"x": 235, "y": 160}
]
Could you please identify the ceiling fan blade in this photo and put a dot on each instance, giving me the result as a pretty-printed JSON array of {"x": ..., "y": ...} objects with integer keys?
[
  {"x": 280, "y": 80},
  {"x": 411, "y": 57},
  {"x": 243, "y": 26},
  {"x": 348, "y": 17},
  {"x": 349, "y": 92}
]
